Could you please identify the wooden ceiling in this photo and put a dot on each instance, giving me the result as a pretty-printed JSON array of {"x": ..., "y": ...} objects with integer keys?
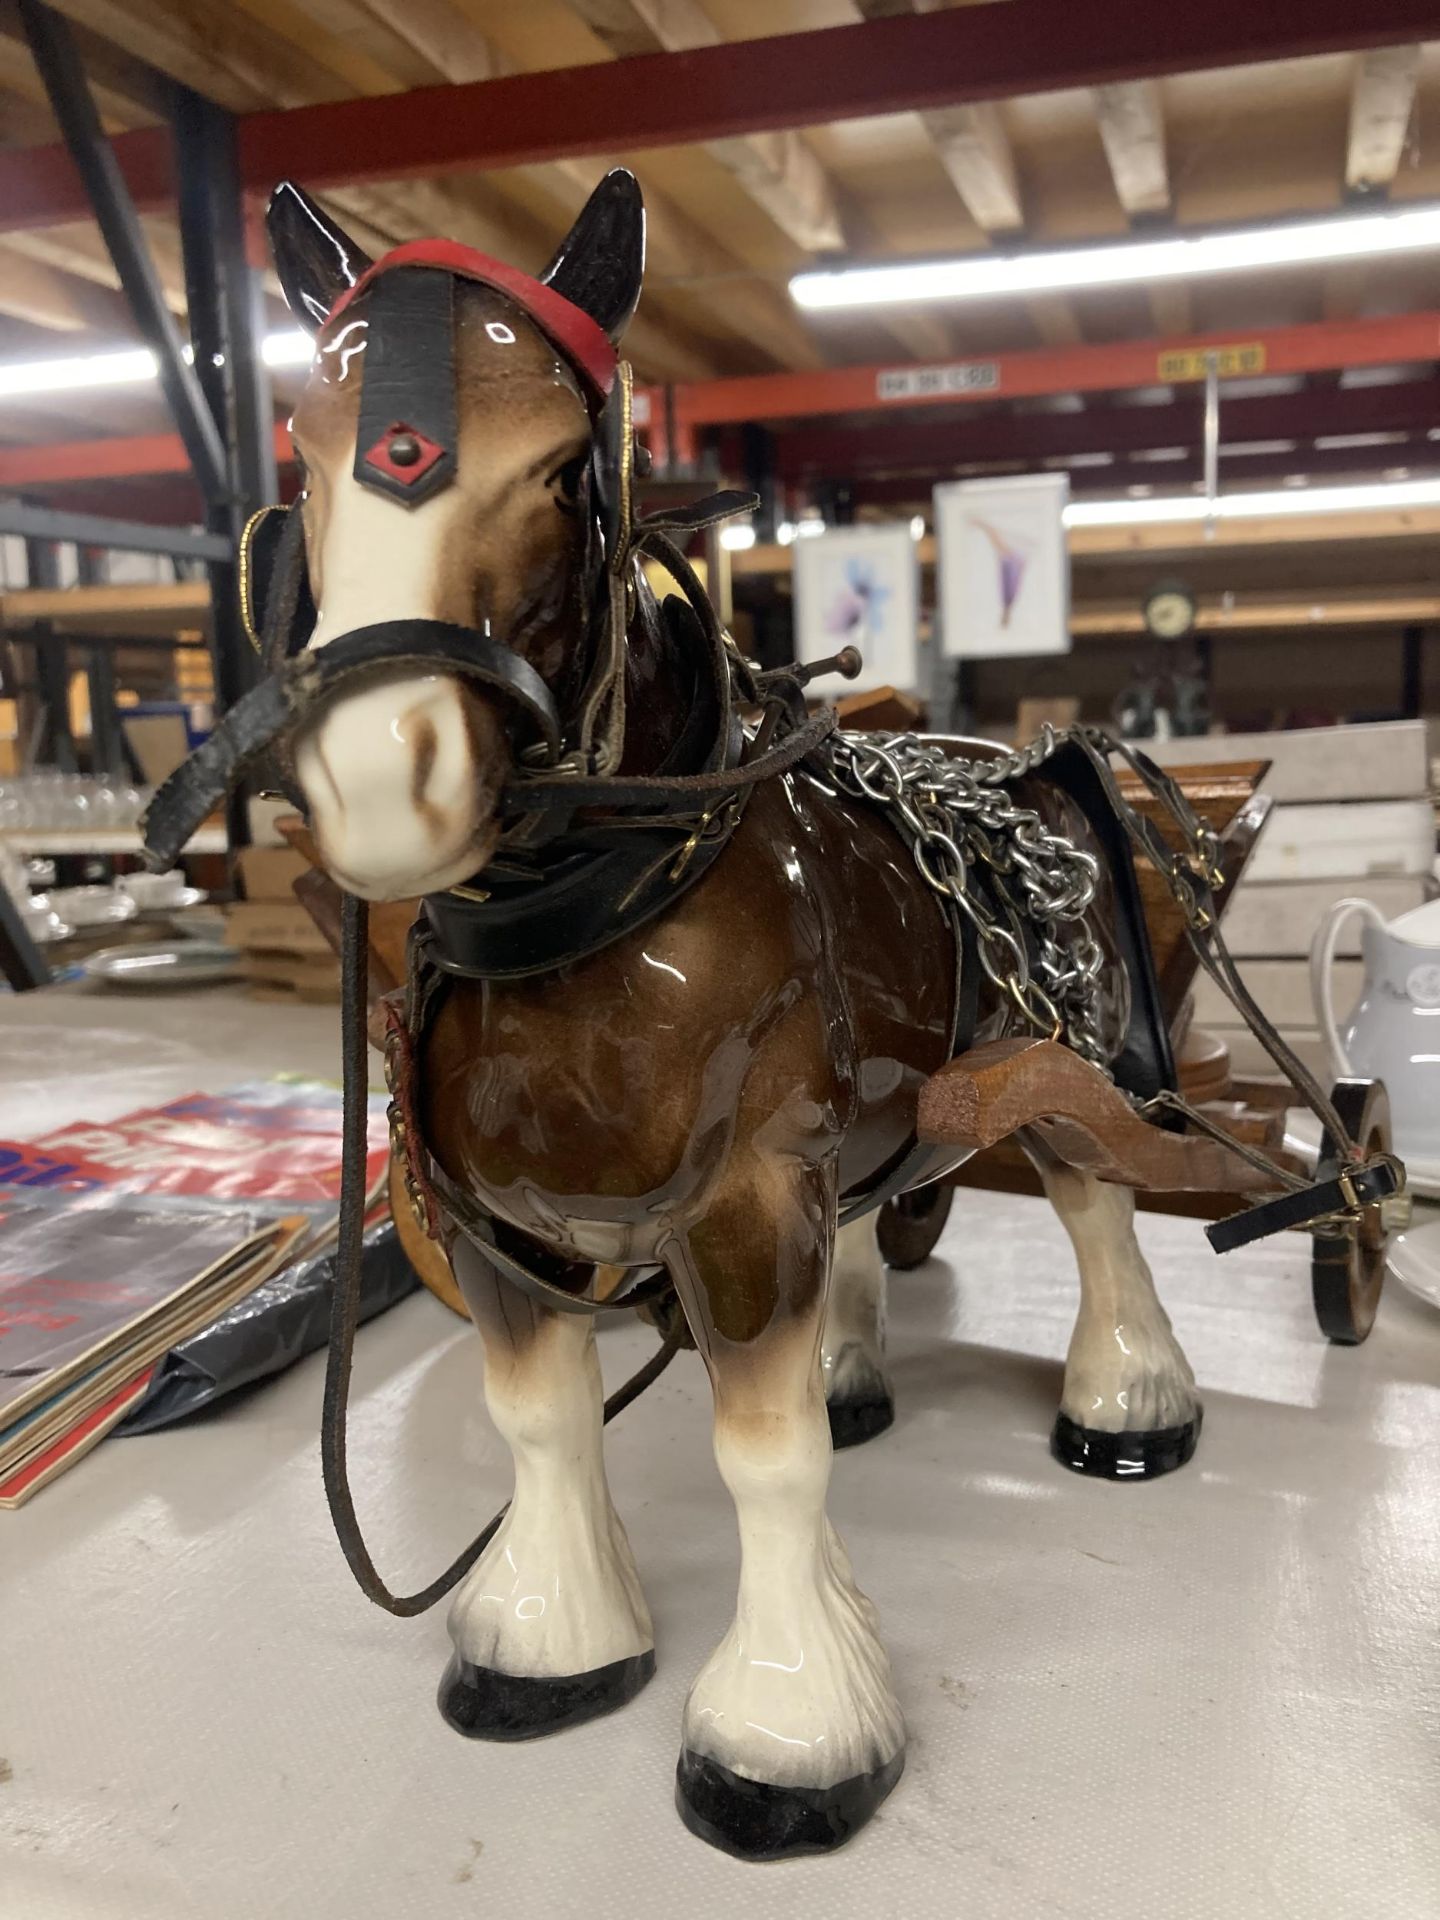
[{"x": 731, "y": 219}]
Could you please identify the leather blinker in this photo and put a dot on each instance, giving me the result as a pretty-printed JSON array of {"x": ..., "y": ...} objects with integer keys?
[
  {"x": 272, "y": 561},
  {"x": 405, "y": 445},
  {"x": 612, "y": 469}
]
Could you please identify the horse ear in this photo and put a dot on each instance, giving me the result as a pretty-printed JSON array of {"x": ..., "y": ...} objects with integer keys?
[
  {"x": 600, "y": 264},
  {"x": 315, "y": 259}
]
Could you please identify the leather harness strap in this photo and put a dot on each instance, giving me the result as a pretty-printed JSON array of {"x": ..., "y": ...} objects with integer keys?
[
  {"x": 582, "y": 341},
  {"x": 1361, "y": 1181},
  {"x": 345, "y": 1303},
  {"x": 271, "y": 711}
]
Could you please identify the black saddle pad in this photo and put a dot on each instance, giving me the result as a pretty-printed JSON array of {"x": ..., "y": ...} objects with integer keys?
[{"x": 1145, "y": 1064}]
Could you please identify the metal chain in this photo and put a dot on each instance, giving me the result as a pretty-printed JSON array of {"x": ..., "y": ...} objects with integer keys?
[{"x": 1039, "y": 949}]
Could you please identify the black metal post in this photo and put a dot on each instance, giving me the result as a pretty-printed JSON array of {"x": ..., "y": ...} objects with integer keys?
[
  {"x": 226, "y": 326},
  {"x": 225, "y": 299},
  {"x": 21, "y": 961},
  {"x": 55, "y": 746},
  {"x": 107, "y": 743},
  {"x": 757, "y": 445},
  {"x": 74, "y": 108}
]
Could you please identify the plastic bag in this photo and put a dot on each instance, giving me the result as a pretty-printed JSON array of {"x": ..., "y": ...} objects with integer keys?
[{"x": 269, "y": 1330}]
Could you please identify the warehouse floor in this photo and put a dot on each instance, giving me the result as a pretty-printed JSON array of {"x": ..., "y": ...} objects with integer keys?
[{"x": 1211, "y": 1696}]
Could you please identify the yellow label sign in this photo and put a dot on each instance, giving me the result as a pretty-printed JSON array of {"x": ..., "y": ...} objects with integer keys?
[{"x": 1193, "y": 363}]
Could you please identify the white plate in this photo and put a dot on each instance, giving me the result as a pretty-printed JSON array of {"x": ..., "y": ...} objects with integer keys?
[
  {"x": 1414, "y": 1259},
  {"x": 1302, "y": 1135},
  {"x": 164, "y": 963}
]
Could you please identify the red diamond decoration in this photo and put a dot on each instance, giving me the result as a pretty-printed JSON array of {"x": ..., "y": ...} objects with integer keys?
[{"x": 379, "y": 455}]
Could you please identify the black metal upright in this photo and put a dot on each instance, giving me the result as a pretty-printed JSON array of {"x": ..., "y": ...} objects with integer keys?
[
  {"x": 221, "y": 403},
  {"x": 55, "y": 746},
  {"x": 74, "y": 108},
  {"x": 107, "y": 742},
  {"x": 226, "y": 329}
]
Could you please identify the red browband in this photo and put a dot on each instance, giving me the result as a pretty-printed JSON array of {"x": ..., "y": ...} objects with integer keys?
[{"x": 567, "y": 327}]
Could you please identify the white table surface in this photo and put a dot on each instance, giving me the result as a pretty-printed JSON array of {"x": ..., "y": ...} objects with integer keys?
[{"x": 1210, "y": 1697}]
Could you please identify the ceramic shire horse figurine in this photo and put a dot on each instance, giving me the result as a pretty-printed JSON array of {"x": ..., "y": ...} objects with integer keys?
[{"x": 699, "y": 1090}]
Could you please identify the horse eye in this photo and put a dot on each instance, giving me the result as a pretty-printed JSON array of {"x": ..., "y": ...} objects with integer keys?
[{"x": 565, "y": 481}]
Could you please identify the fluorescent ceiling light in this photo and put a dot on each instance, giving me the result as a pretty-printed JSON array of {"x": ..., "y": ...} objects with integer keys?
[
  {"x": 979, "y": 276},
  {"x": 86, "y": 370},
  {"x": 291, "y": 348},
  {"x": 130, "y": 367},
  {"x": 1373, "y": 497}
]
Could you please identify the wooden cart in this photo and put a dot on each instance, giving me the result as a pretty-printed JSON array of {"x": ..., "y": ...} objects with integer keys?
[{"x": 978, "y": 1101}]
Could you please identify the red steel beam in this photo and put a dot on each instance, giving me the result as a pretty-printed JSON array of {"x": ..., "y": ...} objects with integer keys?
[
  {"x": 1290, "y": 350},
  {"x": 912, "y": 445},
  {"x": 889, "y": 65},
  {"x": 1316, "y": 348},
  {"x": 122, "y": 458}
]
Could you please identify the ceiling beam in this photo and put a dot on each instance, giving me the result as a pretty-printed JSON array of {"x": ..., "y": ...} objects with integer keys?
[
  {"x": 1132, "y": 130},
  {"x": 1382, "y": 101},
  {"x": 81, "y": 253},
  {"x": 974, "y": 149},
  {"x": 777, "y": 170},
  {"x": 911, "y": 62},
  {"x": 972, "y": 146},
  {"x": 30, "y": 290},
  {"x": 1131, "y": 119}
]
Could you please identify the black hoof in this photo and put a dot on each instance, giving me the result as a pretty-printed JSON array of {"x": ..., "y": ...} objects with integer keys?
[
  {"x": 852, "y": 1421},
  {"x": 485, "y": 1705},
  {"x": 755, "y": 1821},
  {"x": 1123, "y": 1456}
]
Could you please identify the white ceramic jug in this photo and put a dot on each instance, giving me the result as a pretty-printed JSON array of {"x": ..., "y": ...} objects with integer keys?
[{"x": 1393, "y": 1033}]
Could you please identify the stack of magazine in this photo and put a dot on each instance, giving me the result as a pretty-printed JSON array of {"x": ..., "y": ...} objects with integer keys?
[{"x": 120, "y": 1240}]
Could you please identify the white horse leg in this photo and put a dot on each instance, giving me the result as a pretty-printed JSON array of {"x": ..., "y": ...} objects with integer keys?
[
  {"x": 858, "y": 1394},
  {"x": 1129, "y": 1410},
  {"x": 792, "y": 1732},
  {"x": 550, "y": 1626}
]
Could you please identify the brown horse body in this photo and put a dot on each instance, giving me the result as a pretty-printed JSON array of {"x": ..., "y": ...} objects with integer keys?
[{"x": 701, "y": 1094}]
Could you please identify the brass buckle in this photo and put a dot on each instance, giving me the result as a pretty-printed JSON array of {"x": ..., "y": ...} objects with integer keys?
[
  {"x": 1346, "y": 1176},
  {"x": 701, "y": 829},
  {"x": 1345, "y": 1180},
  {"x": 1182, "y": 877}
]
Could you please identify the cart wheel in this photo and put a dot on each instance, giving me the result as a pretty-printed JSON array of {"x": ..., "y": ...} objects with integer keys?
[
  {"x": 908, "y": 1226},
  {"x": 1347, "y": 1271}
]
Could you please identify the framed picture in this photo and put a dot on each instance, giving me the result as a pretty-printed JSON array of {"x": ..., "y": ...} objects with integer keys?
[
  {"x": 1003, "y": 566},
  {"x": 859, "y": 587}
]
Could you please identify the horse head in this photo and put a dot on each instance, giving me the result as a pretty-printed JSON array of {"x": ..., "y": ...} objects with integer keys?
[{"x": 447, "y": 440}]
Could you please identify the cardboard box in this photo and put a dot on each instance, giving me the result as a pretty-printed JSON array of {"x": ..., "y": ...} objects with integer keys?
[
  {"x": 270, "y": 873},
  {"x": 275, "y": 927}
]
